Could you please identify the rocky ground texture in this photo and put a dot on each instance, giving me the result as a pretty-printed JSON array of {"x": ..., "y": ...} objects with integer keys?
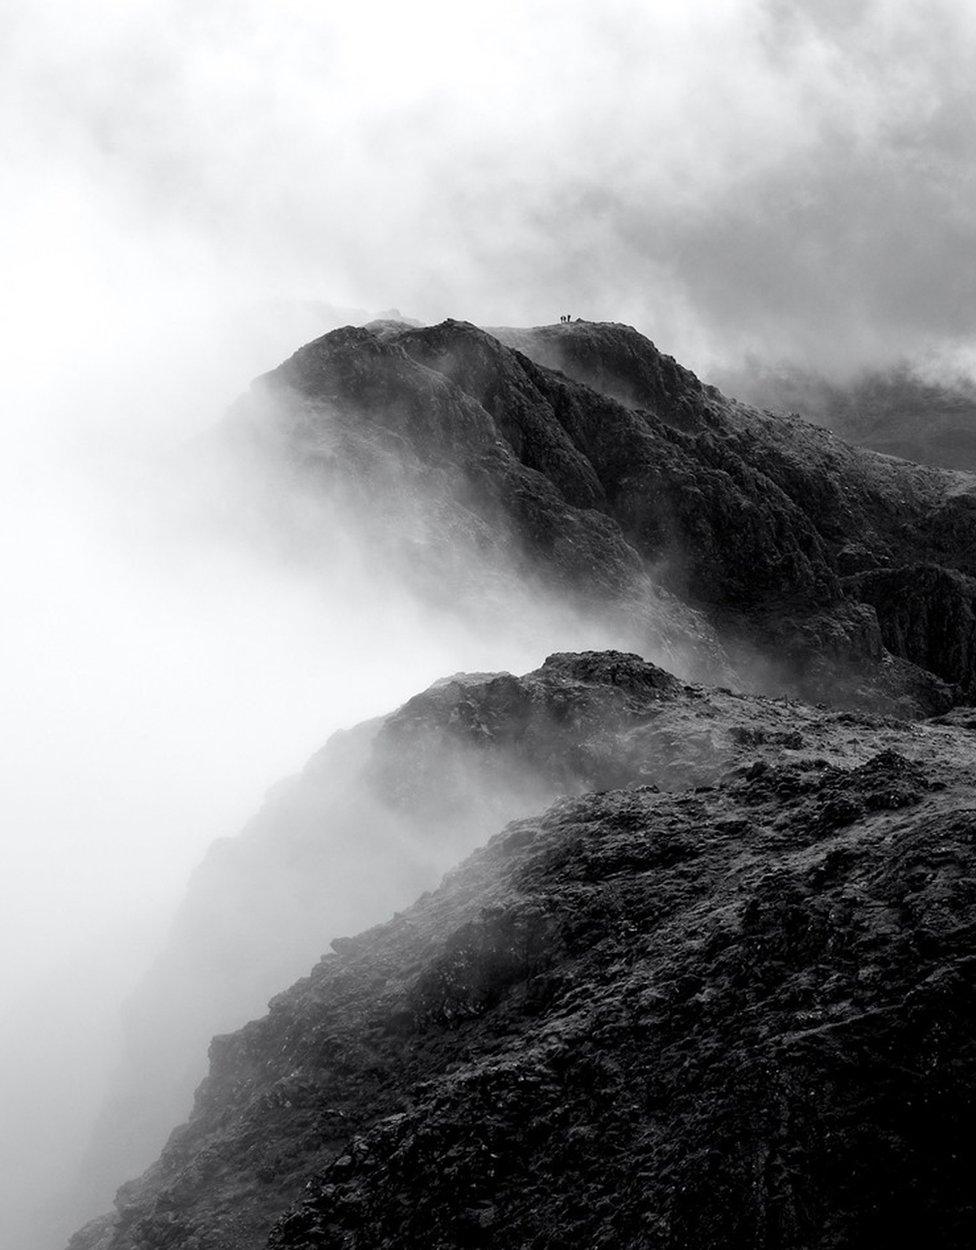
[{"x": 732, "y": 1012}]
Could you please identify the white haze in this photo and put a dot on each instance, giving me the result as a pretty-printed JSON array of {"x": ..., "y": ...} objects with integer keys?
[
  {"x": 791, "y": 181},
  {"x": 160, "y": 678}
]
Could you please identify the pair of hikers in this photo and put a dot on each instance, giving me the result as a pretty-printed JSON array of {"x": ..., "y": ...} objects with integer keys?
[{"x": 567, "y": 317}]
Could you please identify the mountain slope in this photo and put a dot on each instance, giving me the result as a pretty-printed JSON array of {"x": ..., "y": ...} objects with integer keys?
[
  {"x": 724, "y": 1014},
  {"x": 577, "y": 468},
  {"x": 374, "y": 818},
  {"x": 418, "y": 469},
  {"x": 688, "y": 523}
]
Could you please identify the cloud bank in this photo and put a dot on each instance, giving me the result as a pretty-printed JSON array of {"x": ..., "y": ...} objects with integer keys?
[{"x": 750, "y": 176}]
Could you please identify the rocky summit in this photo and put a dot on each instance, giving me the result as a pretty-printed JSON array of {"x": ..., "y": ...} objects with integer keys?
[
  {"x": 578, "y": 461},
  {"x": 672, "y": 939}
]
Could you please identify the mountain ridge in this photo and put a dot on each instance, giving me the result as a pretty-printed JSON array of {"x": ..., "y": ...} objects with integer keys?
[
  {"x": 746, "y": 903},
  {"x": 578, "y": 465},
  {"x": 750, "y": 522}
]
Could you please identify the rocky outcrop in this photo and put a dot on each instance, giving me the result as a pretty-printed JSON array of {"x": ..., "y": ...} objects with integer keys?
[
  {"x": 700, "y": 531},
  {"x": 928, "y": 614},
  {"x": 854, "y": 498},
  {"x": 373, "y": 819},
  {"x": 733, "y": 1021},
  {"x": 618, "y": 361},
  {"x": 730, "y": 1012},
  {"x": 871, "y": 512}
]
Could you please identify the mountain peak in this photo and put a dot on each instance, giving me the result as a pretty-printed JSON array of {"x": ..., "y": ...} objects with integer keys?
[{"x": 609, "y": 473}]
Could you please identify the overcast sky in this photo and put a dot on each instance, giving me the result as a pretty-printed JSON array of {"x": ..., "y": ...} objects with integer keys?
[
  {"x": 792, "y": 179},
  {"x": 789, "y": 180}
]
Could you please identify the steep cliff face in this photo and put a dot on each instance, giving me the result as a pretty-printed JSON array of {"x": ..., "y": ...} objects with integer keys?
[
  {"x": 871, "y": 511},
  {"x": 730, "y": 1013},
  {"x": 865, "y": 506},
  {"x": 690, "y": 523},
  {"x": 928, "y": 614}
]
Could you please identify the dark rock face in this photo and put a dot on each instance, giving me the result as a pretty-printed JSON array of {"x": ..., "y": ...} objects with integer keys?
[
  {"x": 773, "y": 1061},
  {"x": 848, "y": 495},
  {"x": 479, "y": 508},
  {"x": 928, "y": 614},
  {"x": 731, "y": 1013},
  {"x": 679, "y": 515},
  {"x": 870, "y": 512},
  {"x": 615, "y": 360}
]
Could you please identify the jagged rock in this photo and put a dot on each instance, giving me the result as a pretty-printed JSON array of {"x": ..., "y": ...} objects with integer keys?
[
  {"x": 616, "y": 360},
  {"x": 352, "y": 418},
  {"x": 927, "y": 614},
  {"x": 373, "y": 819},
  {"x": 869, "y": 510},
  {"x": 730, "y": 1012},
  {"x": 679, "y": 516}
]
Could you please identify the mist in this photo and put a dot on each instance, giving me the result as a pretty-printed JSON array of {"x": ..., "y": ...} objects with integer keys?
[
  {"x": 167, "y": 663},
  {"x": 791, "y": 181},
  {"x": 194, "y": 190}
]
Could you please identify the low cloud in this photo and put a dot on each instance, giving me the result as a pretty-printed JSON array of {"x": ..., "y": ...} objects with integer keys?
[{"x": 789, "y": 181}]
